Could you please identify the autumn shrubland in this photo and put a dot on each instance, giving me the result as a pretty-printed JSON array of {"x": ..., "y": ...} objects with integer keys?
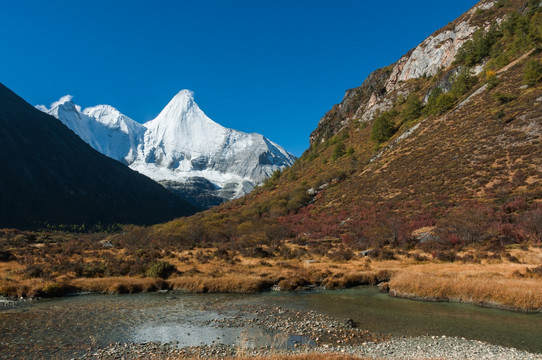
[{"x": 498, "y": 276}]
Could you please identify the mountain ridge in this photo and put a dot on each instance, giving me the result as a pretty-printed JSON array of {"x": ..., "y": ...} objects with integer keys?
[{"x": 179, "y": 144}]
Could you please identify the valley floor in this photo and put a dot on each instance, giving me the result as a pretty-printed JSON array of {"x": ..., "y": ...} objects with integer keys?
[{"x": 509, "y": 279}]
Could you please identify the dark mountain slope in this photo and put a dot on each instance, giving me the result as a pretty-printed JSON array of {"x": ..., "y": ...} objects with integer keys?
[{"x": 50, "y": 176}]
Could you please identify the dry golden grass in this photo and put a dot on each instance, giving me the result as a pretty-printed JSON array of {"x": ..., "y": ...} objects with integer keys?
[
  {"x": 495, "y": 285},
  {"x": 118, "y": 285},
  {"x": 10, "y": 267},
  {"x": 63, "y": 285},
  {"x": 20, "y": 288},
  {"x": 225, "y": 284},
  {"x": 213, "y": 275}
]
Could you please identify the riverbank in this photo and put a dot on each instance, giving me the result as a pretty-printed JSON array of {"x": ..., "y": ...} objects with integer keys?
[
  {"x": 508, "y": 279},
  {"x": 500, "y": 286}
]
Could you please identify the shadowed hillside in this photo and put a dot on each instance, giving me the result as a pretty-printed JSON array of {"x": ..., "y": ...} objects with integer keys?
[{"x": 51, "y": 177}]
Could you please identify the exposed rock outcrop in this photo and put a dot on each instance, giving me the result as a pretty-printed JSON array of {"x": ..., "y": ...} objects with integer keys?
[{"x": 384, "y": 86}]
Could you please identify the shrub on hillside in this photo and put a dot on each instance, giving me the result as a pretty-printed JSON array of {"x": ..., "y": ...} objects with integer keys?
[
  {"x": 445, "y": 256},
  {"x": 338, "y": 151},
  {"x": 34, "y": 271},
  {"x": 90, "y": 270},
  {"x": 518, "y": 33},
  {"x": 502, "y": 3},
  {"x": 380, "y": 253},
  {"x": 440, "y": 104},
  {"x": 413, "y": 108},
  {"x": 534, "y": 272},
  {"x": 478, "y": 48},
  {"x": 463, "y": 83},
  {"x": 383, "y": 127},
  {"x": 256, "y": 252},
  {"x": 467, "y": 224},
  {"x": 532, "y": 74},
  {"x": 492, "y": 80},
  {"x": 341, "y": 254},
  {"x": 272, "y": 180},
  {"x": 298, "y": 198},
  {"x": 6, "y": 256},
  {"x": 530, "y": 225},
  {"x": 504, "y": 98}
]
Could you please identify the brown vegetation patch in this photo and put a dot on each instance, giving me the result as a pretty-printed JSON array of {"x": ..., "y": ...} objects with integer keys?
[
  {"x": 487, "y": 285},
  {"x": 225, "y": 284}
]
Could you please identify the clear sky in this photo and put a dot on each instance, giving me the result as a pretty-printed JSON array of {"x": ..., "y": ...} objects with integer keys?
[{"x": 268, "y": 66}]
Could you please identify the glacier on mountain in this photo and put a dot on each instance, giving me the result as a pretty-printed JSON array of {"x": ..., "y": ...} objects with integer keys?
[{"x": 181, "y": 148}]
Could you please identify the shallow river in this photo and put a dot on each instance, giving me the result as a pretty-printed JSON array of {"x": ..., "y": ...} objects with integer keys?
[{"x": 60, "y": 328}]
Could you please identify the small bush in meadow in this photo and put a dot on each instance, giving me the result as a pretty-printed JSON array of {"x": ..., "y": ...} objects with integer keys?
[{"x": 161, "y": 269}]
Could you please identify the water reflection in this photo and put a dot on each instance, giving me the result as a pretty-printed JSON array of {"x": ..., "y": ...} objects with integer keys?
[{"x": 378, "y": 312}]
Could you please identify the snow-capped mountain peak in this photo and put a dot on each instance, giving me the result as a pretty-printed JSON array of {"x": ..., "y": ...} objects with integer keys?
[
  {"x": 180, "y": 104},
  {"x": 105, "y": 114},
  {"x": 181, "y": 109},
  {"x": 111, "y": 117},
  {"x": 180, "y": 147},
  {"x": 63, "y": 104},
  {"x": 63, "y": 100},
  {"x": 183, "y": 119}
]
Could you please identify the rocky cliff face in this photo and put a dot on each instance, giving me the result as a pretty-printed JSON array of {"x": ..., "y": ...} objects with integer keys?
[
  {"x": 382, "y": 88},
  {"x": 373, "y": 87}
]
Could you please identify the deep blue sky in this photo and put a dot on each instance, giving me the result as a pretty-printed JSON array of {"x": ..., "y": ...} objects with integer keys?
[{"x": 268, "y": 66}]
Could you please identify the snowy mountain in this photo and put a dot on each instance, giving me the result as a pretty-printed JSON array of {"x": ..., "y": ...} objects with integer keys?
[
  {"x": 181, "y": 148},
  {"x": 103, "y": 127}
]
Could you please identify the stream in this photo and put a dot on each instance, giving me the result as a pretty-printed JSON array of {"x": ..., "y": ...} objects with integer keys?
[{"x": 66, "y": 327}]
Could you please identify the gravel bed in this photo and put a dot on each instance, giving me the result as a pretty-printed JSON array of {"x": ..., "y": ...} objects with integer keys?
[
  {"x": 315, "y": 328},
  {"x": 433, "y": 347},
  {"x": 425, "y": 347}
]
